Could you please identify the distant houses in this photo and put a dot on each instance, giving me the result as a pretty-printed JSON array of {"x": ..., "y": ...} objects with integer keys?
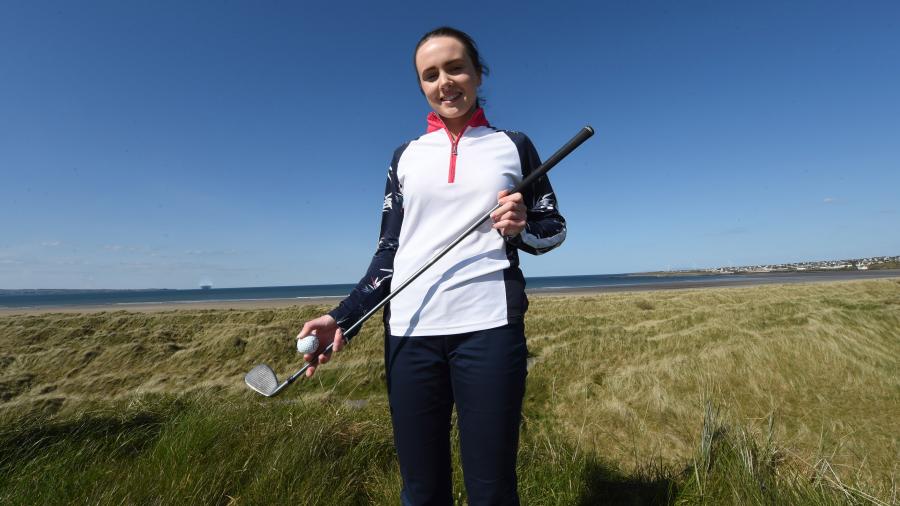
[{"x": 861, "y": 264}]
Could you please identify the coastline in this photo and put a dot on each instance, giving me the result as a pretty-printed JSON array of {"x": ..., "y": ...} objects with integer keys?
[
  {"x": 696, "y": 283},
  {"x": 701, "y": 281},
  {"x": 153, "y": 307}
]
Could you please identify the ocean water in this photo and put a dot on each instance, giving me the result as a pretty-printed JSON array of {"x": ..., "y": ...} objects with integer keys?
[{"x": 124, "y": 298}]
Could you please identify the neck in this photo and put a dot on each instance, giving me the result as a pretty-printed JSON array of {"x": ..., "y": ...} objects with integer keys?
[{"x": 455, "y": 125}]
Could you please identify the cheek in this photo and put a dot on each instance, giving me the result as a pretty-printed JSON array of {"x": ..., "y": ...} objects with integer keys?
[
  {"x": 430, "y": 91},
  {"x": 471, "y": 85}
]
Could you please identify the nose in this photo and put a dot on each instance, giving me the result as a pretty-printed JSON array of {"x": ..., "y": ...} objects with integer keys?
[{"x": 444, "y": 79}]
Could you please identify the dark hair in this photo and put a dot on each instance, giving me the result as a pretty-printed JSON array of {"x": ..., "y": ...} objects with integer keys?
[{"x": 467, "y": 42}]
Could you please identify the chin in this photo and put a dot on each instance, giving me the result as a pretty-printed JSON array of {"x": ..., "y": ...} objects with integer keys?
[{"x": 454, "y": 112}]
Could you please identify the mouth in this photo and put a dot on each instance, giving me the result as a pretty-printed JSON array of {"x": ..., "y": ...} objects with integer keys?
[{"x": 450, "y": 98}]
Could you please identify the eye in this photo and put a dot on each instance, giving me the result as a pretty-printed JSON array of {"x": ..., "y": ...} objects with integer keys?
[{"x": 430, "y": 76}]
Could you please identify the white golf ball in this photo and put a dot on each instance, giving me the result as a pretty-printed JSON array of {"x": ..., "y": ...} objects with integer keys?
[{"x": 308, "y": 344}]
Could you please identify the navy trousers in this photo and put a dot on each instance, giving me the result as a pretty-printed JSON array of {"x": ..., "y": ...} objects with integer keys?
[{"x": 483, "y": 373}]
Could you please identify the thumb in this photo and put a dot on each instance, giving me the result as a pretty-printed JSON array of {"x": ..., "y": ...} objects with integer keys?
[{"x": 338, "y": 340}]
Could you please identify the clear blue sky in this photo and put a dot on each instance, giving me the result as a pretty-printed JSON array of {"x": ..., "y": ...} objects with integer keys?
[{"x": 165, "y": 144}]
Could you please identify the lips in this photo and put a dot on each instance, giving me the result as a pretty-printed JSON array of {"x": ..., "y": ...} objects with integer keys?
[{"x": 451, "y": 98}]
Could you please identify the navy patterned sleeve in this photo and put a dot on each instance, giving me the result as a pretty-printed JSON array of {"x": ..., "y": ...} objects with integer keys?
[
  {"x": 375, "y": 285},
  {"x": 545, "y": 228}
]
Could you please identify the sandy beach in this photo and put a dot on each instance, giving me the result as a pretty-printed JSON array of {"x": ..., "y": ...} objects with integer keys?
[{"x": 151, "y": 307}]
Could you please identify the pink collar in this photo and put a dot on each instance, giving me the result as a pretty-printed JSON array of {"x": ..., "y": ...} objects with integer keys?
[{"x": 477, "y": 119}]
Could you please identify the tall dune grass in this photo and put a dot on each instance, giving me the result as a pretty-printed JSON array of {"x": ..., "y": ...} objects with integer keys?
[{"x": 761, "y": 395}]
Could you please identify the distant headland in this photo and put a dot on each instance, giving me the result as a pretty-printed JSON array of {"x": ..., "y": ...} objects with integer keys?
[{"x": 854, "y": 264}]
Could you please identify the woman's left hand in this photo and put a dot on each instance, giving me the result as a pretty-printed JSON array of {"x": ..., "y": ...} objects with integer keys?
[{"x": 510, "y": 217}]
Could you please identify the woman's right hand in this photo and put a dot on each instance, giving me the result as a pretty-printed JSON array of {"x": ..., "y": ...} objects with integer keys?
[{"x": 327, "y": 331}]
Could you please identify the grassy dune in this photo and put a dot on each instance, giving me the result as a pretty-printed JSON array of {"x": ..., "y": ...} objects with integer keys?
[{"x": 771, "y": 394}]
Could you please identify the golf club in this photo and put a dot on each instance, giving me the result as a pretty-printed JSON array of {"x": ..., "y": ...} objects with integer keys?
[{"x": 262, "y": 378}]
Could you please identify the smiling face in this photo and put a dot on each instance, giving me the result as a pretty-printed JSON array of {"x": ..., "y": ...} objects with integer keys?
[{"x": 448, "y": 79}]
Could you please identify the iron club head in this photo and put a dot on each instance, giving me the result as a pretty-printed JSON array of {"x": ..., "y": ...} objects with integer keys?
[{"x": 262, "y": 379}]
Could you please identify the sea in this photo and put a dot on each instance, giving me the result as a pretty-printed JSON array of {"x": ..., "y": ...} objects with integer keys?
[{"x": 121, "y": 299}]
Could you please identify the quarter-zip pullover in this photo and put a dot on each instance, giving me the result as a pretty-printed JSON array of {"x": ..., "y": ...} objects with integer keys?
[{"x": 436, "y": 186}]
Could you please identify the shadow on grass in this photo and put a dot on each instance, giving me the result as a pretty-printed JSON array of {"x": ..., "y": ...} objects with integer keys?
[
  {"x": 604, "y": 485},
  {"x": 124, "y": 436}
]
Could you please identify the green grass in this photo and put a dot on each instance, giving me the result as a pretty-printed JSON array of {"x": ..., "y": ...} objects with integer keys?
[
  {"x": 892, "y": 264},
  {"x": 762, "y": 395}
]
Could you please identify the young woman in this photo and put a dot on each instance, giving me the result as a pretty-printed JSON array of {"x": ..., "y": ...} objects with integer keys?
[{"x": 456, "y": 335}]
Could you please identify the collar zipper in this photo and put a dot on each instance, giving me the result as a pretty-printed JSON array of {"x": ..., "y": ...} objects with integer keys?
[
  {"x": 454, "y": 143},
  {"x": 454, "y": 149},
  {"x": 451, "y": 176}
]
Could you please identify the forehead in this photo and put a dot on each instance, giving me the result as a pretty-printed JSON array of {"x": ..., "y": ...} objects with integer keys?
[{"x": 438, "y": 50}]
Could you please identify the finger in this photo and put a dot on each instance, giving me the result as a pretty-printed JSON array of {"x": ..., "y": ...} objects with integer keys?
[
  {"x": 515, "y": 198},
  {"x": 307, "y": 328},
  {"x": 323, "y": 359},
  {"x": 498, "y": 213},
  {"x": 518, "y": 207},
  {"x": 511, "y": 228},
  {"x": 502, "y": 193},
  {"x": 338, "y": 340},
  {"x": 517, "y": 212},
  {"x": 503, "y": 225},
  {"x": 310, "y": 371},
  {"x": 509, "y": 223},
  {"x": 512, "y": 215}
]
